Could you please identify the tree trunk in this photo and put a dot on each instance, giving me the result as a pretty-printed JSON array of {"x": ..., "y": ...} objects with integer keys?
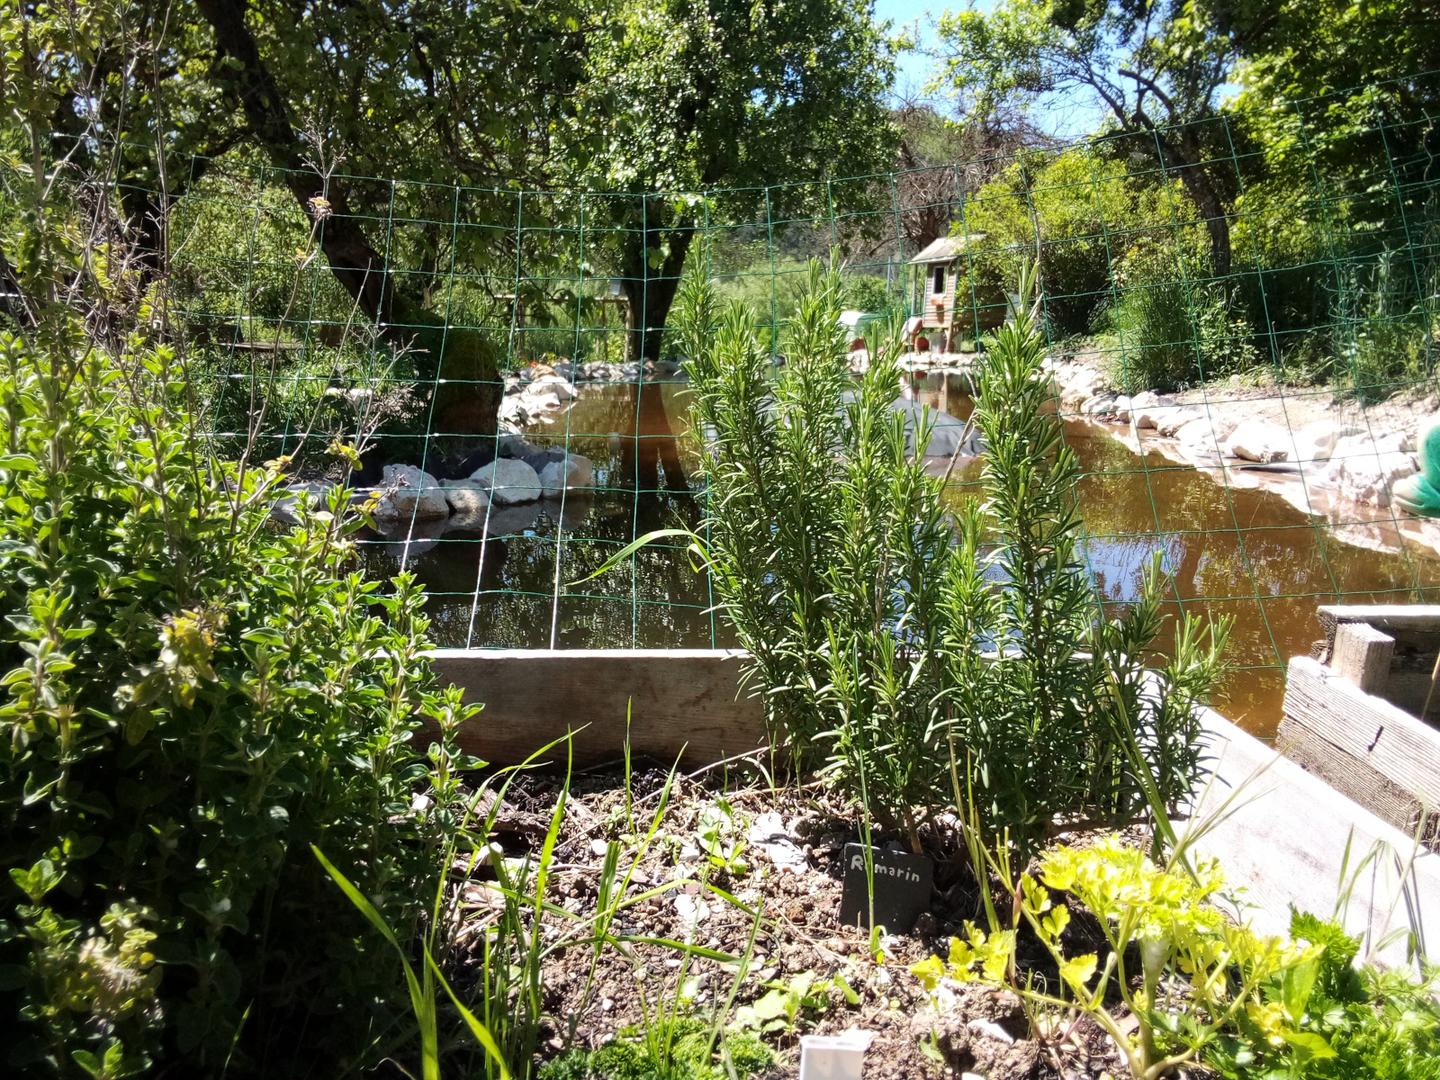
[
  {"x": 649, "y": 298},
  {"x": 468, "y": 400},
  {"x": 1185, "y": 158}
]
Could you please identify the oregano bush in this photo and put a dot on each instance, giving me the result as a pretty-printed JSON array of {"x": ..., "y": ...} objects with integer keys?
[{"x": 191, "y": 696}]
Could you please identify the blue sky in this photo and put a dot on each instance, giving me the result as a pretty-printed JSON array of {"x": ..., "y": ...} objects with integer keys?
[{"x": 915, "y": 69}]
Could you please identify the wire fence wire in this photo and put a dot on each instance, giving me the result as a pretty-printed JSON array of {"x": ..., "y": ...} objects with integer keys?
[{"x": 1293, "y": 281}]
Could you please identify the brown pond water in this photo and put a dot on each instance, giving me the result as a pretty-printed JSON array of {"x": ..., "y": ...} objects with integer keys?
[{"x": 1245, "y": 553}]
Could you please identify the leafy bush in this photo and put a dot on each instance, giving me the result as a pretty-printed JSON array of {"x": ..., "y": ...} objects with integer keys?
[
  {"x": 838, "y": 564},
  {"x": 191, "y": 698},
  {"x": 1201, "y": 988},
  {"x": 1175, "y": 329},
  {"x": 1079, "y": 212},
  {"x": 1384, "y": 338},
  {"x": 1198, "y": 973},
  {"x": 1373, "y": 1024},
  {"x": 1063, "y": 718}
]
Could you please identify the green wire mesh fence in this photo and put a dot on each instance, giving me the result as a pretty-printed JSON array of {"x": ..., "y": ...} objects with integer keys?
[{"x": 1244, "y": 338}]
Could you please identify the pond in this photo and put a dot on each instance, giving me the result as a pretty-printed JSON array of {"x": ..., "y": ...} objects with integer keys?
[{"x": 1246, "y": 553}]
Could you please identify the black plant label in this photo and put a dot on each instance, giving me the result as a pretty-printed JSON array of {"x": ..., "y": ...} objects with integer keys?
[{"x": 902, "y": 888}]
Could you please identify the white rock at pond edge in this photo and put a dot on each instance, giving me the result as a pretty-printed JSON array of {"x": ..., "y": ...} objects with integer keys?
[
  {"x": 408, "y": 492},
  {"x": 467, "y": 498},
  {"x": 507, "y": 480},
  {"x": 1260, "y": 441}
]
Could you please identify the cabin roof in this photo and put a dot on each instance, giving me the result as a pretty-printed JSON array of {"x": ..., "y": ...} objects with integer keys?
[{"x": 945, "y": 249}]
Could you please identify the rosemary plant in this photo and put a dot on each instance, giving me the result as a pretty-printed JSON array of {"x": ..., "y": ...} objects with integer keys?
[{"x": 888, "y": 635}]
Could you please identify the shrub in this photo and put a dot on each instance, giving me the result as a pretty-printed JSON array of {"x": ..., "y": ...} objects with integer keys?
[
  {"x": 1175, "y": 328},
  {"x": 1063, "y": 718},
  {"x": 191, "y": 697},
  {"x": 866, "y": 611},
  {"x": 1157, "y": 927},
  {"x": 1201, "y": 988},
  {"x": 1077, "y": 210},
  {"x": 1384, "y": 338}
]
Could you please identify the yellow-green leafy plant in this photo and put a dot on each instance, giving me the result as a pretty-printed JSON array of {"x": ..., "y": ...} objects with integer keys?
[{"x": 1199, "y": 974}]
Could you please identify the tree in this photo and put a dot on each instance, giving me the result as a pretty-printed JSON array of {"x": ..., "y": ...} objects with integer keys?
[
  {"x": 723, "y": 97},
  {"x": 942, "y": 162},
  {"x": 1155, "y": 66},
  {"x": 453, "y": 98}
]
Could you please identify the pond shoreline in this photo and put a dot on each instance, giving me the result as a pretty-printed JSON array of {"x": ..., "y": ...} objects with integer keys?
[{"x": 1330, "y": 458}]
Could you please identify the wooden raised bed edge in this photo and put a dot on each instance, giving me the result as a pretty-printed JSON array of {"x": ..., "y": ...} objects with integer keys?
[
  {"x": 1284, "y": 844},
  {"x": 677, "y": 700}
]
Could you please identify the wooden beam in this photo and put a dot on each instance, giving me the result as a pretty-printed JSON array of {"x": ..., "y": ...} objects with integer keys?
[
  {"x": 1287, "y": 837},
  {"x": 1409, "y": 616},
  {"x": 677, "y": 700},
  {"x": 1376, "y": 753},
  {"x": 1362, "y": 654}
]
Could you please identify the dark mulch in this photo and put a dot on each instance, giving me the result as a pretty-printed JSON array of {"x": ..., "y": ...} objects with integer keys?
[{"x": 976, "y": 1030}]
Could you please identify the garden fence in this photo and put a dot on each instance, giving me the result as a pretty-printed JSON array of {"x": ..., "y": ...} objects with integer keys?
[{"x": 1292, "y": 280}]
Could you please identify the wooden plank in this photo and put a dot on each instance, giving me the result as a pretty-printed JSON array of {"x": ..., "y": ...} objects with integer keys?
[
  {"x": 1412, "y": 616},
  {"x": 1286, "y": 841},
  {"x": 678, "y": 699},
  {"x": 1370, "y": 739},
  {"x": 1362, "y": 654}
]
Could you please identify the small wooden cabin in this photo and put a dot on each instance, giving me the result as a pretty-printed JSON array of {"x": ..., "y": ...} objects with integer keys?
[{"x": 946, "y": 315}]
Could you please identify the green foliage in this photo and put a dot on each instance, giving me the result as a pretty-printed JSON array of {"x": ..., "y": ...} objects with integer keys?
[
  {"x": 190, "y": 698},
  {"x": 786, "y": 1002},
  {"x": 1060, "y": 721},
  {"x": 1078, "y": 209},
  {"x": 826, "y": 541},
  {"x": 720, "y": 837},
  {"x": 1384, "y": 337},
  {"x": 1174, "y": 328},
  {"x": 1374, "y": 1024},
  {"x": 1199, "y": 975},
  {"x": 631, "y": 1056},
  {"x": 837, "y": 562}
]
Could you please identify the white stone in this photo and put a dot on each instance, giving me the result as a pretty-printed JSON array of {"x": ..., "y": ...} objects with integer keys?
[
  {"x": 1365, "y": 469},
  {"x": 466, "y": 497},
  {"x": 1170, "y": 419},
  {"x": 507, "y": 481},
  {"x": 537, "y": 403},
  {"x": 514, "y": 411},
  {"x": 1148, "y": 407},
  {"x": 1102, "y": 404},
  {"x": 408, "y": 492},
  {"x": 575, "y": 473},
  {"x": 1197, "y": 438},
  {"x": 558, "y": 385},
  {"x": 1316, "y": 441},
  {"x": 1259, "y": 441}
]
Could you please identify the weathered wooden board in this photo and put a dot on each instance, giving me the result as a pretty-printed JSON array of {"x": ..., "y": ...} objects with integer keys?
[
  {"x": 1374, "y": 752},
  {"x": 677, "y": 700},
  {"x": 1362, "y": 654},
  {"x": 1413, "y": 616},
  {"x": 1286, "y": 844}
]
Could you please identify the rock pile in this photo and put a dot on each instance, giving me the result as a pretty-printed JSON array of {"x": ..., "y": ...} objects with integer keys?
[
  {"x": 523, "y": 473},
  {"x": 1331, "y": 457}
]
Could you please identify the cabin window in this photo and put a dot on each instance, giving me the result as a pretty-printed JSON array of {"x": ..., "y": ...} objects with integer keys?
[{"x": 937, "y": 280}]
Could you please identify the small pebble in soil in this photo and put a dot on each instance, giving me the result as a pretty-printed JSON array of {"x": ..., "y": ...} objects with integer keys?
[{"x": 982, "y": 1026}]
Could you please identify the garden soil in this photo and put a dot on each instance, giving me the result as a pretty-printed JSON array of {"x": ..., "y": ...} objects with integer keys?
[{"x": 784, "y": 849}]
